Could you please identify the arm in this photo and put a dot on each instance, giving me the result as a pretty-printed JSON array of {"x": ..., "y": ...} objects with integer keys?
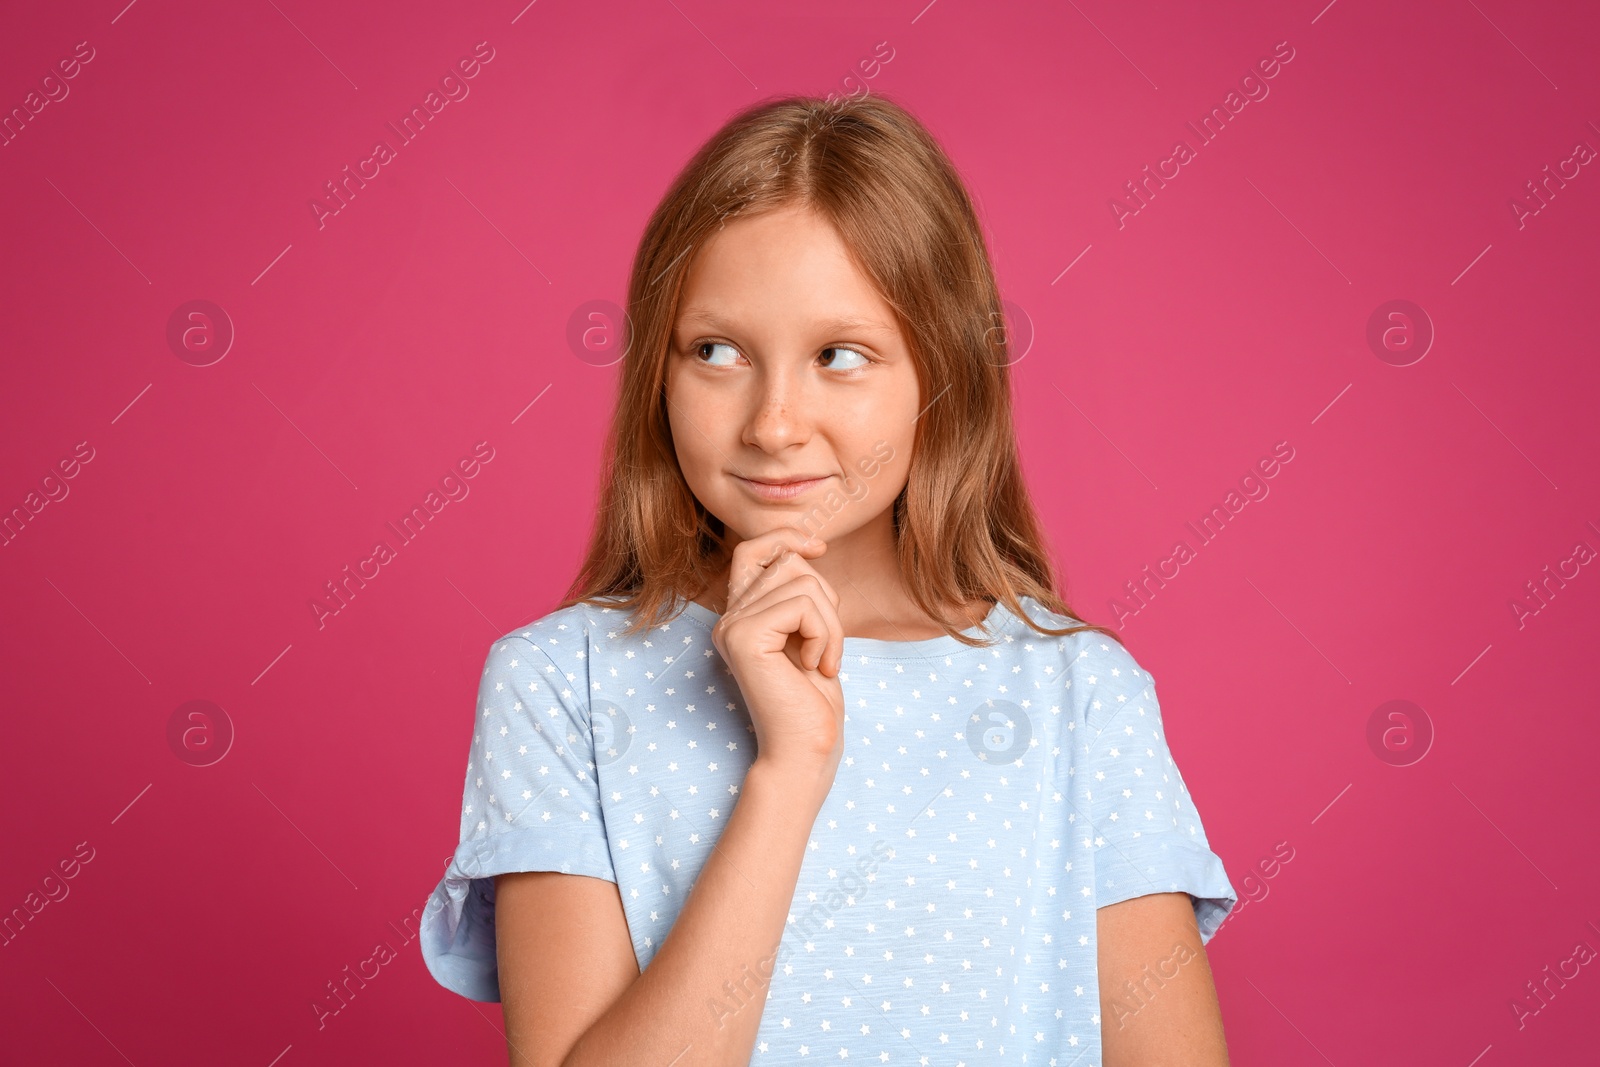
[
  {"x": 570, "y": 985},
  {"x": 1158, "y": 1006},
  {"x": 545, "y": 916}
]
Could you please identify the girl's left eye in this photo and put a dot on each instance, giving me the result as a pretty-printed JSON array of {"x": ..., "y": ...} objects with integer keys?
[
  {"x": 701, "y": 346},
  {"x": 839, "y": 348}
]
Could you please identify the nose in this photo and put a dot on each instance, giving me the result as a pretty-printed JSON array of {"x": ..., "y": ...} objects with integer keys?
[{"x": 779, "y": 410}]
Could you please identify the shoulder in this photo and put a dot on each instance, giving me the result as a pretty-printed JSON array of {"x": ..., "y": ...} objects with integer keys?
[
  {"x": 1087, "y": 659},
  {"x": 552, "y": 649},
  {"x": 570, "y": 635},
  {"x": 547, "y": 658},
  {"x": 557, "y": 632}
]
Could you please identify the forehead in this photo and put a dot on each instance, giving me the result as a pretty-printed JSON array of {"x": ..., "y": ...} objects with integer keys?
[
  {"x": 783, "y": 268},
  {"x": 712, "y": 318}
]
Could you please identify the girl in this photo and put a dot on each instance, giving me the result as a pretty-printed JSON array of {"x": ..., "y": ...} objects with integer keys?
[{"x": 813, "y": 761}]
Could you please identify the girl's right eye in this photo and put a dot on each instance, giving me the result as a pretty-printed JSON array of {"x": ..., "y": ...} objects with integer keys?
[{"x": 701, "y": 347}]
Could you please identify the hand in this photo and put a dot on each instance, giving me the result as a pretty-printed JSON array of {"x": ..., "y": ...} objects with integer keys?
[{"x": 781, "y": 638}]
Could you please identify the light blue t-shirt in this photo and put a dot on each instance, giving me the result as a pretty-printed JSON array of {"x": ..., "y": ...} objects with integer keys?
[{"x": 987, "y": 802}]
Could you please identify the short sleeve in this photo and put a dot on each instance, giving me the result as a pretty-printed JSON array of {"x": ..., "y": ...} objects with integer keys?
[
  {"x": 1145, "y": 831},
  {"x": 531, "y": 803}
]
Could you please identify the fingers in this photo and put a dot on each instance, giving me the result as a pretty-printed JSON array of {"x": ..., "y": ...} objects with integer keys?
[
  {"x": 784, "y": 567},
  {"x": 765, "y": 570},
  {"x": 754, "y": 558},
  {"x": 781, "y": 586},
  {"x": 797, "y": 608},
  {"x": 751, "y": 557},
  {"x": 784, "y": 581}
]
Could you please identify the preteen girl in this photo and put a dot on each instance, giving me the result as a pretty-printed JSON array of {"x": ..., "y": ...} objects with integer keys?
[{"x": 814, "y": 763}]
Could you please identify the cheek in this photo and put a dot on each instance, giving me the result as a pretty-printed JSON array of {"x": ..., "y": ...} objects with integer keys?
[
  {"x": 688, "y": 444},
  {"x": 694, "y": 427},
  {"x": 893, "y": 457},
  {"x": 889, "y": 446}
]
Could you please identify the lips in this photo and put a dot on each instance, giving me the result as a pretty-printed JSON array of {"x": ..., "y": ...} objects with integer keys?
[
  {"x": 784, "y": 481},
  {"x": 782, "y": 490}
]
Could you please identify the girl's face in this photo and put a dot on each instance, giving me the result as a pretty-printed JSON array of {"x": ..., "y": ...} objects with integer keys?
[{"x": 785, "y": 363}]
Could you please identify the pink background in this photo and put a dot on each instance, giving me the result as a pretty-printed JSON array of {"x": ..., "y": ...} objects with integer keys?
[{"x": 372, "y": 353}]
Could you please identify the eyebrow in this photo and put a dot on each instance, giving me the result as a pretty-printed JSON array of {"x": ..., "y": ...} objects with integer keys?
[{"x": 710, "y": 318}]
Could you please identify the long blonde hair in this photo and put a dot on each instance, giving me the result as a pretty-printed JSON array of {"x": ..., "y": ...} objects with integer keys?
[{"x": 964, "y": 524}]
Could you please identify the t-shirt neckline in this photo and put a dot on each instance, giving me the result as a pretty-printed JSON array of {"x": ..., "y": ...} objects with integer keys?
[{"x": 876, "y": 648}]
